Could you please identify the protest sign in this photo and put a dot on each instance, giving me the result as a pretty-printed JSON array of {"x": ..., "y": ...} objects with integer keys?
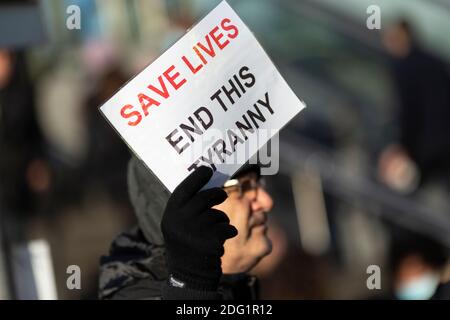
[{"x": 205, "y": 101}]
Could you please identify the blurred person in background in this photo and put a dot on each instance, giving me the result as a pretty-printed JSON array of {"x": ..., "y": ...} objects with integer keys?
[
  {"x": 23, "y": 168},
  {"x": 190, "y": 245},
  {"x": 422, "y": 80},
  {"x": 107, "y": 156},
  {"x": 25, "y": 172},
  {"x": 417, "y": 263},
  {"x": 45, "y": 192}
]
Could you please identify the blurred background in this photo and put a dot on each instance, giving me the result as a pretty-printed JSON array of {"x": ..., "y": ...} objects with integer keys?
[{"x": 364, "y": 171}]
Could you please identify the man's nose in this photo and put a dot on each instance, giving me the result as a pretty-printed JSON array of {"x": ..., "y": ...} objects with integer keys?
[{"x": 263, "y": 201}]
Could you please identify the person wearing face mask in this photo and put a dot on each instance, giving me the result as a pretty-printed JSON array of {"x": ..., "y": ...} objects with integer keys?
[
  {"x": 191, "y": 244},
  {"x": 417, "y": 263}
]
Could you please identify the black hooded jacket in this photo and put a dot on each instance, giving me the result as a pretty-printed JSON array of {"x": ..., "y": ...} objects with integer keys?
[{"x": 136, "y": 267}]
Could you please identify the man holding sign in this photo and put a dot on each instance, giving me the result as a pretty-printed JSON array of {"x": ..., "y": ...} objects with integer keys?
[
  {"x": 186, "y": 258},
  {"x": 193, "y": 118}
]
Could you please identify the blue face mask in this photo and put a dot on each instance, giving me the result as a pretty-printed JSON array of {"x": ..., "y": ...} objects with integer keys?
[{"x": 421, "y": 288}]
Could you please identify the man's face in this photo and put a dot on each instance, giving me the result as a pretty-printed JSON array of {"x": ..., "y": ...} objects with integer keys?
[{"x": 246, "y": 207}]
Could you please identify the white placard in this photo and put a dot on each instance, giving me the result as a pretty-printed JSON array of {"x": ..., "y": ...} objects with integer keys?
[{"x": 214, "y": 98}]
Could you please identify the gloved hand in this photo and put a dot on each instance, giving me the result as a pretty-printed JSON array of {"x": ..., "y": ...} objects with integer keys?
[{"x": 194, "y": 233}]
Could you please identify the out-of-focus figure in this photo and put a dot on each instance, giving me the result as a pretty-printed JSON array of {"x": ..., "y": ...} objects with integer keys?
[
  {"x": 417, "y": 265},
  {"x": 422, "y": 80},
  {"x": 23, "y": 169},
  {"x": 108, "y": 156}
]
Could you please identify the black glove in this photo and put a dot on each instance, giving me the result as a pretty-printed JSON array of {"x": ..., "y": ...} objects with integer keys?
[{"x": 194, "y": 233}]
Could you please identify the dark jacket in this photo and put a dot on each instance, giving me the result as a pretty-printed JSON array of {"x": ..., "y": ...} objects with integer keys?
[
  {"x": 136, "y": 267},
  {"x": 423, "y": 85}
]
